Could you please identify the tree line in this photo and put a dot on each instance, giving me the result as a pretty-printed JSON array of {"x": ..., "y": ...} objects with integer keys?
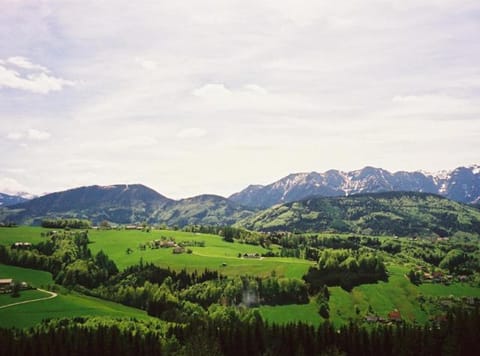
[{"x": 230, "y": 331}]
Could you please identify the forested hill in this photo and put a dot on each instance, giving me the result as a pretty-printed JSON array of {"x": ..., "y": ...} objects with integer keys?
[
  {"x": 126, "y": 204},
  {"x": 394, "y": 213}
]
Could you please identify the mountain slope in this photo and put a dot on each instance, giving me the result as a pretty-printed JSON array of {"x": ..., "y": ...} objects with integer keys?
[
  {"x": 125, "y": 204},
  {"x": 7, "y": 199},
  {"x": 116, "y": 203},
  {"x": 201, "y": 210},
  {"x": 462, "y": 184},
  {"x": 397, "y": 213}
]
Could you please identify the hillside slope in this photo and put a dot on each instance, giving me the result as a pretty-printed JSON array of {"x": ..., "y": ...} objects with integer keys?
[{"x": 394, "y": 213}]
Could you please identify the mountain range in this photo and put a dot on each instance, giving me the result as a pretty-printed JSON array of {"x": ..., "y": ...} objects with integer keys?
[
  {"x": 126, "y": 203},
  {"x": 272, "y": 206},
  {"x": 461, "y": 184}
]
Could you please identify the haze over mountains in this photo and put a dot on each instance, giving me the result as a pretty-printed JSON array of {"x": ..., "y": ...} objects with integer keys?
[{"x": 125, "y": 203}]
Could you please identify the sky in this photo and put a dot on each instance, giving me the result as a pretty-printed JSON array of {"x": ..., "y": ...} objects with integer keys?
[{"x": 193, "y": 97}]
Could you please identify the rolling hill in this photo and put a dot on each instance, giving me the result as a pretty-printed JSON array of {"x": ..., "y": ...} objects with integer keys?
[{"x": 393, "y": 213}]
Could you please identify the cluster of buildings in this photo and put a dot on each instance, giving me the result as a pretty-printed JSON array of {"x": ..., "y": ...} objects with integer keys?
[
  {"x": 393, "y": 317},
  {"x": 167, "y": 244}
]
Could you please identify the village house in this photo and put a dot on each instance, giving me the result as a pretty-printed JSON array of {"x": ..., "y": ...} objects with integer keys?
[
  {"x": 251, "y": 255},
  {"x": 395, "y": 316},
  {"x": 22, "y": 245},
  {"x": 178, "y": 250},
  {"x": 168, "y": 244},
  {"x": 6, "y": 285}
]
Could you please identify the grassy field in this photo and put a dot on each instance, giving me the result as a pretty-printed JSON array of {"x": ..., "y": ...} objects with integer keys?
[
  {"x": 25, "y": 295},
  {"x": 64, "y": 305},
  {"x": 33, "y": 277},
  {"x": 10, "y": 235},
  {"x": 379, "y": 298},
  {"x": 280, "y": 314},
  {"x": 215, "y": 253}
]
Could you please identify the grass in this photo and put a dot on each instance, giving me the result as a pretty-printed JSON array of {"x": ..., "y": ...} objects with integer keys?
[
  {"x": 10, "y": 235},
  {"x": 215, "y": 253},
  {"x": 456, "y": 290},
  {"x": 379, "y": 298},
  {"x": 70, "y": 305},
  {"x": 25, "y": 295},
  {"x": 281, "y": 314},
  {"x": 64, "y": 305}
]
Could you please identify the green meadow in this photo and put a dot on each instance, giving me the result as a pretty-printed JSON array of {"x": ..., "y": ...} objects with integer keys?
[
  {"x": 33, "y": 277},
  {"x": 216, "y": 255},
  {"x": 281, "y": 314},
  {"x": 6, "y": 299},
  {"x": 64, "y": 305},
  {"x": 379, "y": 298}
]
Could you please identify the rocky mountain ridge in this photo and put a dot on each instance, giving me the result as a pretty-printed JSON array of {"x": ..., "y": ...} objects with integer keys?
[{"x": 461, "y": 184}]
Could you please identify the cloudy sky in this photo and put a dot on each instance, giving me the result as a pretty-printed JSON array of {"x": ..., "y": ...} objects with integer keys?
[{"x": 193, "y": 97}]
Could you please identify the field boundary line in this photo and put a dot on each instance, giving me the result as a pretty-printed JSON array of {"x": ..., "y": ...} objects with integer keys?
[{"x": 51, "y": 296}]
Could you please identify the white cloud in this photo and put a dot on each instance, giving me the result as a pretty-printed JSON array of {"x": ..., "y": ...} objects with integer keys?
[
  {"x": 30, "y": 134},
  {"x": 35, "y": 78},
  {"x": 37, "y": 135},
  {"x": 11, "y": 186},
  {"x": 433, "y": 104},
  {"x": 146, "y": 63},
  {"x": 192, "y": 132},
  {"x": 15, "y": 135},
  {"x": 213, "y": 91},
  {"x": 25, "y": 63},
  {"x": 276, "y": 85}
]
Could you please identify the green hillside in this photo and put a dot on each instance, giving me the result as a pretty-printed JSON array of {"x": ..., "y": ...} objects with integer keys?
[
  {"x": 392, "y": 213},
  {"x": 64, "y": 305}
]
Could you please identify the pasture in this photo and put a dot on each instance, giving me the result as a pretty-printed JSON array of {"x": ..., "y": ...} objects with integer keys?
[
  {"x": 64, "y": 305},
  {"x": 216, "y": 255},
  {"x": 379, "y": 298}
]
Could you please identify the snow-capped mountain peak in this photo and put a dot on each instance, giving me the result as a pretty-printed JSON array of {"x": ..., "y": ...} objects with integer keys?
[{"x": 461, "y": 184}]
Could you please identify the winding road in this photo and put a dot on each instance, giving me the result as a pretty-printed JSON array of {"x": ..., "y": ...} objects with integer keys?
[{"x": 51, "y": 296}]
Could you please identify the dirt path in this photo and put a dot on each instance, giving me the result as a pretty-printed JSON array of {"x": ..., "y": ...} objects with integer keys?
[{"x": 52, "y": 295}]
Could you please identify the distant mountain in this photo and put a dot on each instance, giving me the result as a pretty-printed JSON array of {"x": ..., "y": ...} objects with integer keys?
[
  {"x": 392, "y": 213},
  {"x": 114, "y": 203},
  {"x": 202, "y": 210},
  {"x": 462, "y": 184},
  {"x": 125, "y": 204},
  {"x": 7, "y": 199}
]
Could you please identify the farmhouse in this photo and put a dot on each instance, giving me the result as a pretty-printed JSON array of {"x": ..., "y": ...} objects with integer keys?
[
  {"x": 5, "y": 284},
  {"x": 395, "y": 316},
  {"x": 251, "y": 255},
  {"x": 166, "y": 244},
  {"x": 178, "y": 250},
  {"x": 24, "y": 245}
]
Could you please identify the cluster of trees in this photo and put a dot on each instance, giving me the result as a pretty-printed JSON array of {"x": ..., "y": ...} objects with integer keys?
[
  {"x": 454, "y": 256},
  {"x": 66, "y": 223},
  {"x": 234, "y": 331},
  {"x": 249, "y": 291},
  {"x": 346, "y": 268},
  {"x": 230, "y": 233},
  {"x": 308, "y": 246},
  {"x": 175, "y": 296}
]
